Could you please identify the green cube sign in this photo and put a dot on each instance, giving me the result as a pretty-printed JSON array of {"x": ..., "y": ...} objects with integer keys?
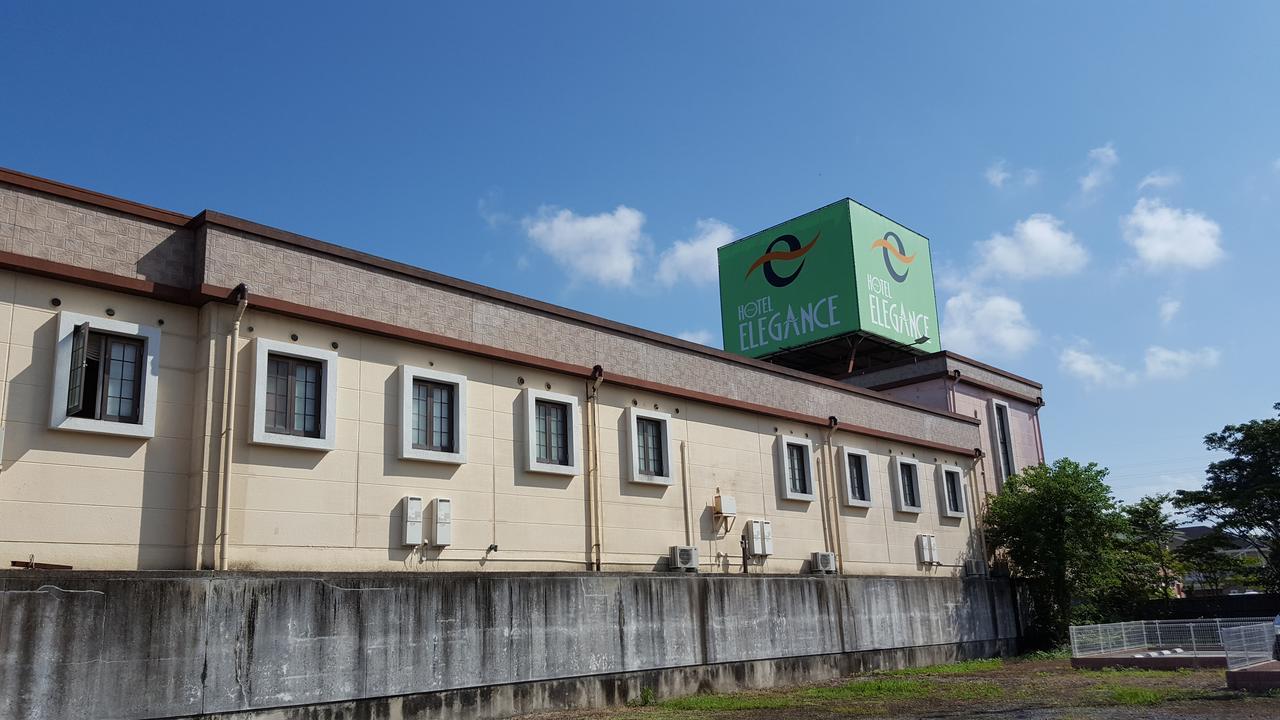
[{"x": 836, "y": 271}]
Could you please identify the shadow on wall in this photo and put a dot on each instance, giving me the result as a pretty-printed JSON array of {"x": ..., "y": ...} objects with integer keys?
[
  {"x": 161, "y": 505},
  {"x": 171, "y": 261}
]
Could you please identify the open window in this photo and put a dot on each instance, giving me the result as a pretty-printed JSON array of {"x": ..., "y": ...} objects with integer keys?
[
  {"x": 906, "y": 485},
  {"x": 433, "y": 415},
  {"x": 795, "y": 468},
  {"x": 951, "y": 495},
  {"x": 554, "y": 436},
  {"x": 649, "y": 438},
  {"x": 856, "y": 469},
  {"x": 295, "y": 391},
  {"x": 106, "y": 376}
]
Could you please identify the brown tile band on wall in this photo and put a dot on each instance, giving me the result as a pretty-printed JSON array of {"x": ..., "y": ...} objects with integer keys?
[
  {"x": 198, "y": 224},
  {"x": 963, "y": 379}
]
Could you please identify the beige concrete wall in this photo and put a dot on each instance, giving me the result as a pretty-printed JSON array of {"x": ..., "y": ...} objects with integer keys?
[
  {"x": 296, "y": 509},
  {"x": 95, "y": 501},
  {"x": 1023, "y": 426},
  {"x": 82, "y": 499}
]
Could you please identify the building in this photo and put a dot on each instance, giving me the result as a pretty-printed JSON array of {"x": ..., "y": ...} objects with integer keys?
[
  {"x": 309, "y": 439},
  {"x": 536, "y": 437}
]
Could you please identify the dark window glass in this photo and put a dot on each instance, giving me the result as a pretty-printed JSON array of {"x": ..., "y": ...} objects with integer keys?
[
  {"x": 293, "y": 402},
  {"x": 651, "y": 447},
  {"x": 551, "y": 432},
  {"x": 952, "y": 480},
  {"x": 106, "y": 377},
  {"x": 797, "y": 469},
  {"x": 858, "y": 478},
  {"x": 910, "y": 491},
  {"x": 433, "y": 413},
  {"x": 1002, "y": 434}
]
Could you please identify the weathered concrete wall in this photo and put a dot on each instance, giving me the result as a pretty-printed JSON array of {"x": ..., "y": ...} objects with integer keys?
[{"x": 82, "y": 645}]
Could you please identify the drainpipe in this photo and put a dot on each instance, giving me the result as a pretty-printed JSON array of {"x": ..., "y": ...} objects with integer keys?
[
  {"x": 241, "y": 295},
  {"x": 1035, "y": 415},
  {"x": 975, "y": 522},
  {"x": 593, "y": 464},
  {"x": 684, "y": 485},
  {"x": 951, "y": 392},
  {"x": 832, "y": 423}
]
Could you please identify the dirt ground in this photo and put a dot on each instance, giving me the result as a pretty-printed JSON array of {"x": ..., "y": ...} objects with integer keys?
[{"x": 1035, "y": 689}]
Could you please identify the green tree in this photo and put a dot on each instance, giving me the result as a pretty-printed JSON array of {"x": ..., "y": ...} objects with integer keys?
[
  {"x": 1060, "y": 527},
  {"x": 1241, "y": 494},
  {"x": 1208, "y": 562},
  {"x": 1148, "y": 547}
]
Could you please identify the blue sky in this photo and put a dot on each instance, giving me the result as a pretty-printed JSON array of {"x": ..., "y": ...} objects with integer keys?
[{"x": 1101, "y": 184}]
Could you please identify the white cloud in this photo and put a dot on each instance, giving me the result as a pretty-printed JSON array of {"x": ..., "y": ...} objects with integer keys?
[
  {"x": 604, "y": 248},
  {"x": 1092, "y": 368},
  {"x": 1276, "y": 165},
  {"x": 997, "y": 173},
  {"x": 1101, "y": 161},
  {"x": 1159, "y": 179},
  {"x": 1166, "y": 364},
  {"x": 1169, "y": 308},
  {"x": 986, "y": 324},
  {"x": 701, "y": 337},
  {"x": 1168, "y": 237},
  {"x": 1038, "y": 247},
  {"x": 1160, "y": 364},
  {"x": 695, "y": 259}
]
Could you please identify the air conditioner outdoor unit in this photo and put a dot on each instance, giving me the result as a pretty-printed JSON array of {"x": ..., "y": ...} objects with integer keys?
[
  {"x": 824, "y": 563},
  {"x": 684, "y": 557},
  {"x": 975, "y": 566}
]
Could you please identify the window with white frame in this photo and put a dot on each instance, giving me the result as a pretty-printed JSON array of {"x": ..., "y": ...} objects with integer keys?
[
  {"x": 795, "y": 467},
  {"x": 106, "y": 376},
  {"x": 1003, "y": 442},
  {"x": 857, "y": 476},
  {"x": 295, "y": 391},
  {"x": 649, "y": 433},
  {"x": 906, "y": 486},
  {"x": 553, "y": 437},
  {"x": 433, "y": 415},
  {"x": 951, "y": 491}
]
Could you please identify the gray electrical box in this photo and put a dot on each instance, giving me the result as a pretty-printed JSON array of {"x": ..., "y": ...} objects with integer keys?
[
  {"x": 411, "y": 512},
  {"x": 441, "y": 522}
]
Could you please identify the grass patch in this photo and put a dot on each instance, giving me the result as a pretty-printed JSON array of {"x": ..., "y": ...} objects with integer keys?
[
  {"x": 1119, "y": 672},
  {"x": 959, "y": 668},
  {"x": 1062, "y": 653},
  {"x": 974, "y": 691},
  {"x": 870, "y": 690},
  {"x": 727, "y": 703},
  {"x": 1135, "y": 695}
]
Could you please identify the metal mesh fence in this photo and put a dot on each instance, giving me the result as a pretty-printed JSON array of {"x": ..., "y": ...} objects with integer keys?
[
  {"x": 1192, "y": 637},
  {"x": 1247, "y": 645}
]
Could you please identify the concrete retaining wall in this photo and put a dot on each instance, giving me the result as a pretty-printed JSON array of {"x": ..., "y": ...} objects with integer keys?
[{"x": 144, "y": 645}]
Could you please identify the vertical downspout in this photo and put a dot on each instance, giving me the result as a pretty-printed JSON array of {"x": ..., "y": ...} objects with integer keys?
[
  {"x": 229, "y": 422},
  {"x": 593, "y": 465},
  {"x": 832, "y": 423},
  {"x": 1039, "y": 439},
  {"x": 975, "y": 522},
  {"x": 684, "y": 486},
  {"x": 205, "y": 465}
]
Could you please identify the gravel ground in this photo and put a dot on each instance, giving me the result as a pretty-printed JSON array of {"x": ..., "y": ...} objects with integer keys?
[{"x": 1000, "y": 690}]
